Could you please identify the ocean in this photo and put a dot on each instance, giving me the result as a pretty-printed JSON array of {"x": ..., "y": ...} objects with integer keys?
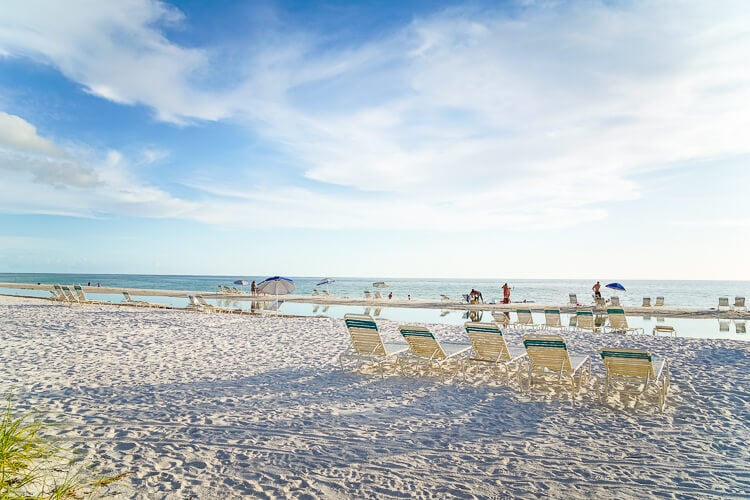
[
  {"x": 678, "y": 293},
  {"x": 697, "y": 294}
]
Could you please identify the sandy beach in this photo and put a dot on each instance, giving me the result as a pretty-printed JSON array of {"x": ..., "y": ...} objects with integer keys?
[{"x": 195, "y": 405}]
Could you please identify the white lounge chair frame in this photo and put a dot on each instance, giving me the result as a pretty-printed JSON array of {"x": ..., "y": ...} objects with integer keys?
[
  {"x": 636, "y": 370},
  {"x": 368, "y": 345},
  {"x": 548, "y": 354},
  {"x": 618, "y": 322},
  {"x": 553, "y": 320},
  {"x": 425, "y": 350},
  {"x": 490, "y": 348}
]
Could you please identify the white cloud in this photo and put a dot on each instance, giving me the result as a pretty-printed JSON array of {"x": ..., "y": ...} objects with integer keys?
[
  {"x": 465, "y": 119},
  {"x": 41, "y": 177}
]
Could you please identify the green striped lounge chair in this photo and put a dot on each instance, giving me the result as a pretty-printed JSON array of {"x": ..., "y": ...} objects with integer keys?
[
  {"x": 585, "y": 321},
  {"x": 57, "y": 293},
  {"x": 634, "y": 371},
  {"x": 618, "y": 322},
  {"x": 367, "y": 343},
  {"x": 69, "y": 295},
  {"x": 490, "y": 348},
  {"x": 548, "y": 355},
  {"x": 524, "y": 318},
  {"x": 425, "y": 350},
  {"x": 553, "y": 320},
  {"x": 85, "y": 300}
]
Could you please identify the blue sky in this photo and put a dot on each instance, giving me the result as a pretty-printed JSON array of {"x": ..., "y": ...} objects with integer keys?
[{"x": 528, "y": 139}]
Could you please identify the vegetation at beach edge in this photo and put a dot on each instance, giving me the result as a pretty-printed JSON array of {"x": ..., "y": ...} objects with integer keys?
[{"x": 34, "y": 467}]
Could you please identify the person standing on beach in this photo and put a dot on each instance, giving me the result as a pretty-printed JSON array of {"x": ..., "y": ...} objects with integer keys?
[
  {"x": 253, "y": 288},
  {"x": 506, "y": 294},
  {"x": 596, "y": 288}
]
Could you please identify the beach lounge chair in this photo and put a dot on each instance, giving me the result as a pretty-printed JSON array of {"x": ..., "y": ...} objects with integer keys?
[
  {"x": 367, "y": 295},
  {"x": 599, "y": 302},
  {"x": 739, "y": 326},
  {"x": 548, "y": 354},
  {"x": 585, "y": 321},
  {"x": 724, "y": 304},
  {"x": 444, "y": 297},
  {"x": 614, "y": 301},
  {"x": 377, "y": 296},
  {"x": 69, "y": 295},
  {"x": 127, "y": 299},
  {"x": 58, "y": 294},
  {"x": 646, "y": 302},
  {"x": 618, "y": 322},
  {"x": 489, "y": 348},
  {"x": 739, "y": 304},
  {"x": 572, "y": 300},
  {"x": 367, "y": 343},
  {"x": 659, "y": 302},
  {"x": 501, "y": 317},
  {"x": 85, "y": 300},
  {"x": 326, "y": 294},
  {"x": 525, "y": 319},
  {"x": 665, "y": 329},
  {"x": 315, "y": 292},
  {"x": 724, "y": 325},
  {"x": 210, "y": 307},
  {"x": 425, "y": 350},
  {"x": 635, "y": 370},
  {"x": 553, "y": 320}
]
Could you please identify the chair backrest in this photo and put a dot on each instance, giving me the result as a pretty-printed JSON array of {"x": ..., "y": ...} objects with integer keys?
[
  {"x": 422, "y": 342},
  {"x": 191, "y": 299},
  {"x": 202, "y": 301},
  {"x": 367, "y": 294},
  {"x": 127, "y": 296},
  {"x": 500, "y": 317},
  {"x": 79, "y": 293},
  {"x": 552, "y": 318},
  {"x": 585, "y": 320},
  {"x": 614, "y": 301},
  {"x": 444, "y": 297},
  {"x": 659, "y": 302},
  {"x": 573, "y": 299},
  {"x": 315, "y": 291},
  {"x": 599, "y": 301},
  {"x": 364, "y": 333},
  {"x": 487, "y": 340},
  {"x": 69, "y": 295},
  {"x": 739, "y": 326},
  {"x": 627, "y": 362},
  {"x": 378, "y": 296},
  {"x": 617, "y": 318},
  {"x": 524, "y": 317},
  {"x": 547, "y": 351},
  {"x": 739, "y": 302},
  {"x": 646, "y": 302},
  {"x": 326, "y": 294}
]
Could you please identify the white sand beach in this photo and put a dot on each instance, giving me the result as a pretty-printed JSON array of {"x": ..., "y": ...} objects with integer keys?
[{"x": 196, "y": 405}]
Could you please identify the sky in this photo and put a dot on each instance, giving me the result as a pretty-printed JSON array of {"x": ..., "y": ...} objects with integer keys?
[{"x": 518, "y": 139}]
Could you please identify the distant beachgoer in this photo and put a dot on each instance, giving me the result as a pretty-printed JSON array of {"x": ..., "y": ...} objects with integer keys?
[
  {"x": 596, "y": 288},
  {"x": 408, "y": 297},
  {"x": 506, "y": 294},
  {"x": 390, "y": 295},
  {"x": 253, "y": 288},
  {"x": 89, "y": 283},
  {"x": 99, "y": 285}
]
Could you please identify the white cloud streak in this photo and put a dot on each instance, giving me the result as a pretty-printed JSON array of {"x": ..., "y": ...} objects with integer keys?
[{"x": 463, "y": 120}]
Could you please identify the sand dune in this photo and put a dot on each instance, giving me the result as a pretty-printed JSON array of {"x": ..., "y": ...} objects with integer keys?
[{"x": 216, "y": 406}]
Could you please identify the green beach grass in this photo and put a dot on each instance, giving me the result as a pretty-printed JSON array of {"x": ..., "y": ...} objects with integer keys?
[{"x": 34, "y": 467}]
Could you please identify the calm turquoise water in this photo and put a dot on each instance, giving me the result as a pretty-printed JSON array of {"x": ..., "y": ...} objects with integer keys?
[{"x": 702, "y": 294}]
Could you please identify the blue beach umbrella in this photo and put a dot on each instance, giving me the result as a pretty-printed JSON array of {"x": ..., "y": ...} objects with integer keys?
[
  {"x": 326, "y": 281},
  {"x": 277, "y": 285},
  {"x": 615, "y": 286}
]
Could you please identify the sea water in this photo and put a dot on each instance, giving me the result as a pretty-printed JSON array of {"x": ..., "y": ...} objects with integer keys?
[{"x": 677, "y": 293}]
